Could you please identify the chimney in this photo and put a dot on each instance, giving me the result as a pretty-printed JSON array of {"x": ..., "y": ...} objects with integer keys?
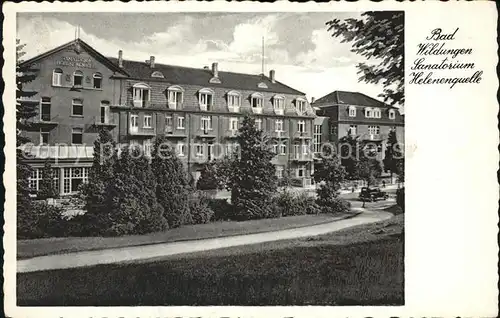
[
  {"x": 272, "y": 74},
  {"x": 120, "y": 58},
  {"x": 152, "y": 61},
  {"x": 313, "y": 100},
  {"x": 215, "y": 69}
]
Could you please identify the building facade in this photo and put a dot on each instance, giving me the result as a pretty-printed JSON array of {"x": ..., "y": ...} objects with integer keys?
[
  {"x": 198, "y": 110},
  {"x": 341, "y": 114}
]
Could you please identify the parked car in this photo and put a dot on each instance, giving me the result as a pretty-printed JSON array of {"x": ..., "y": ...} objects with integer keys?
[{"x": 372, "y": 194}]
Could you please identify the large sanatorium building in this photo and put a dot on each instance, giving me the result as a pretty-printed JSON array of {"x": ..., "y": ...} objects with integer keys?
[{"x": 199, "y": 110}]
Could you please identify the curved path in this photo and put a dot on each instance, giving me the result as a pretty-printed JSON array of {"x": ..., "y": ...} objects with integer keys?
[{"x": 116, "y": 255}]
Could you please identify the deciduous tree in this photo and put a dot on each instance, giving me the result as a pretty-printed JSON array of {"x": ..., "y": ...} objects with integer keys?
[{"x": 379, "y": 36}]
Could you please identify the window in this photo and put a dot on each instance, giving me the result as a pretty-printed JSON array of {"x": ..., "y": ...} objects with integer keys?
[
  {"x": 57, "y": 77},
  {"x": 77, "y": 107},
  {"x": 374, "y": 130},
  {"x": 352, "y": 130},
  {"x": 147, "y": 121},
  {"x": 45, "y": 109},
  {"x": 257, "y": 100},
  {"x": 258, "y": 124},
  {"x": 392, "y": 114},
  {"x": 104, "y": 112},
  {"x": 199, "y": 150},
  {"x": 279, "y": 125},
  {"x": 233, "y": 100},
  {"x": 279, "y": 104},
  {"x": 275, "y": 148},
  {"x": 205, "y": 99},
  {"x": 147, "y": 147},
  {"x": 282, "y": 149},
  {"x": 368, "y": 112},
  {"x": 305, "y": 149},
  {"x": 181, "y": 149},
  {"x": 301, "y": 126},
  {"x": 301, "y": 171},
  {"x": 279, "y": 171},
  {"x": 44, "y": 136},
  {"x": 168, "y": 121},
  {"x": 180, "y": 123},
  {"x": 206, "y": 123},
  {"x": 37, "y": 175},
  {"x": 377, "y": 113},
  {"x": 77, "y": 136},
  {"x": 233, "y": 124},
  {"x": 134, "y": 122},
  {"x": 175, "y": 95},
  {"x": 352, "y": 111},
  {"x": 97, "y": 80},
  {"x": 317, "y": 138},
  {"x": 73, "y": 177},
  {"x": 157, "y": 74},
  {"x": 77, "y": 78},
  {"x": 301, "y": 105},
  {"x": 140, "y": 94},
  {"x": 34, "y": 179}
]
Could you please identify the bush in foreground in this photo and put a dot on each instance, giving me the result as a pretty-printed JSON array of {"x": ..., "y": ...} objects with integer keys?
[
  {"x": 223, "y": 210},
  {"x": 199, "y": 209},
  {"x": 329, "y": 201},
  {"x": 44, "y": 221},
  {"x": 289, "y": 204}
]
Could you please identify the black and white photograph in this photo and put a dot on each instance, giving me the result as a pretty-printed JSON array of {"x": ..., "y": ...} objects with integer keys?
[
  {"x": 238, "y": 159},
  {"x": 210, "y": 158}
]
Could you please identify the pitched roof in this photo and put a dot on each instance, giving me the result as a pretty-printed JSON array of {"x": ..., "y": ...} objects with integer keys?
[
  {"x": 76, "y": 43},
  {"x": 348, "y": 98},
  {"x": 196, "y": 76}
]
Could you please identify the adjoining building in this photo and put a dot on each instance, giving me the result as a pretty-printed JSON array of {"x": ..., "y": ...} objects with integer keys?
[
  {"x": 198, "y": 109},
  {"x": 343, "y": 113}
]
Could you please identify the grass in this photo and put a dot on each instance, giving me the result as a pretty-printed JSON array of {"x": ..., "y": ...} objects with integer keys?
[
  {"x": 362, "y": 265},
  {"x": 47, "y": 246}
]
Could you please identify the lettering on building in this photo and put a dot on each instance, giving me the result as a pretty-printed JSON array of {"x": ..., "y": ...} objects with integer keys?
[{"x": 75, "y": 61}]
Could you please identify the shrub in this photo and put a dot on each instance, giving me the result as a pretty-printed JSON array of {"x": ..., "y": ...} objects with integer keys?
[
  {"x": 400, "y": 198},
  {"x": 44, "y": 221},
  {"x": 289, "y": 204},
  {"x": 223, "y": 210},
  {"x": 199, "y": 209},
  {"x": 328, "y": 200}
]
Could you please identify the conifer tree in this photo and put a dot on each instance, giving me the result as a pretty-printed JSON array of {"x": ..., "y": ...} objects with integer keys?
[
  {"x": 47, "y": 188},
  {"x": 131, "y": 202},
  {"x": 392, "y": 154},
  {"x": 253, "y": 180},
  {"x": 172, "y": 183},
  {"x": 25, "y": 110}
]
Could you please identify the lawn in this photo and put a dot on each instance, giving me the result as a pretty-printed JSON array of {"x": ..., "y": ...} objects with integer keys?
[
  {"x": 363, "y": 265},
  {"x": 46, "y": 246}
]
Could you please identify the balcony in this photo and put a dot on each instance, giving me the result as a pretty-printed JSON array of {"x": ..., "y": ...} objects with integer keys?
[
  {"x": 302, "y": 135},
  {"x": 170, "y": 132},
  {"x": 60, "y": 152},
  {"x": 231, "y": 133},
  {"x": 206, "y": 133},
  {"x": 299, "y": 156},
  {"x": 46, "y": 120},
  {"x": 100, "y": 121},
  {"x": 279, "y": 134},
  {"x": 301, "y": 182},
  {"x": 142, "y": 131},
  {"x": 257, "y": 110},
  {"x": 372, "y": 137}
]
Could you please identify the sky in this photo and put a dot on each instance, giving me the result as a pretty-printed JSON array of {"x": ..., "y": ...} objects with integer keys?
[{"x": 298, "y": 46}]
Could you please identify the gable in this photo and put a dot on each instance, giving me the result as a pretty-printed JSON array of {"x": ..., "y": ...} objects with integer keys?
[{"x": 72, "y": 56}]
